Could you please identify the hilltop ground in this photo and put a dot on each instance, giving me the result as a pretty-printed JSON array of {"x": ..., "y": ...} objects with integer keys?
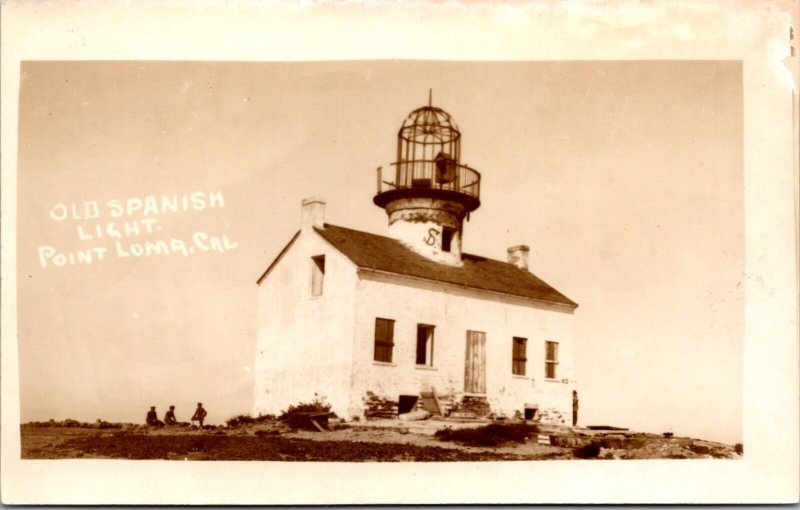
[{"x": 374, "y": 440}]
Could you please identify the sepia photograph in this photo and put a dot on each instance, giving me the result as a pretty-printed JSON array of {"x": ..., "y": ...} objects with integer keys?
[
  {"x": 354, "y": 262},
  {"x": 381, "y": 260}
]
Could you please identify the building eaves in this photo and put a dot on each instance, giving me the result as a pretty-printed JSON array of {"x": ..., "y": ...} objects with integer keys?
[{"x": 387, "y": 255}]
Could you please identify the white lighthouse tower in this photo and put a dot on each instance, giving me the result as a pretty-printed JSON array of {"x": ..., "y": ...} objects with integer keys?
[{"x": 427, "y": 192}]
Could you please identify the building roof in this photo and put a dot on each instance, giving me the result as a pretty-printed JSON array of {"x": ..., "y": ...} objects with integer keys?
[
  {"x": 278, "y": 258},
  {"x": 380, "y": 253}
]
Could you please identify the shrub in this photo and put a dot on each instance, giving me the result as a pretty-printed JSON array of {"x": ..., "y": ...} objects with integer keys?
[
  {"x": 739, "y": 447},
  {"x": 70, "y": 423},
  {"x": 588, "y": 451},
  {"x": 294, "y": 415},
  {"x": 317, "y": 405},
  {"x": 246, "y": 419},
  {"x": 493, "y": 434},
  {"x": 242, "y": 419}
]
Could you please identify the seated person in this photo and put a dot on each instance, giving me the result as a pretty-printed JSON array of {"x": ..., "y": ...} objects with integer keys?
[
  {"x": 152, "y": 418},
  {"x": 169, "y": 418}
]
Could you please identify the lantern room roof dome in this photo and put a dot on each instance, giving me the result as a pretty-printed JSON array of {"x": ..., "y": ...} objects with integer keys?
[
  {"x": 428, "y": 163},
  {"x": 429, "y": 124}
]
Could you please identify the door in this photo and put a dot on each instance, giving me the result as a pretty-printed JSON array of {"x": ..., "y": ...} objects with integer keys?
[{"x": 475, "y": 365}]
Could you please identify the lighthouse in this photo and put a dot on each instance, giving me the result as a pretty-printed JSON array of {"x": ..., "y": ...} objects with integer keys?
[
  {"x": 427, "y": 191},
  {"x": 378, "y": 324}
]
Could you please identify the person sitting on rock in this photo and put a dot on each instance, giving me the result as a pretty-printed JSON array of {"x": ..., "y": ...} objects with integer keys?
[
  {"x": 152, "y": 418},
  {"x": 169, "y": 418},
  {"x": 199, "y": 414}
]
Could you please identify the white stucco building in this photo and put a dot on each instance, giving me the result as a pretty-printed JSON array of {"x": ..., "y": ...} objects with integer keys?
[{"x": 371, "y": 321}]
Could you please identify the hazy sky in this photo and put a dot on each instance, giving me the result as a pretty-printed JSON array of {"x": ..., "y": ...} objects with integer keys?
[{"x": 625, "y": 178}]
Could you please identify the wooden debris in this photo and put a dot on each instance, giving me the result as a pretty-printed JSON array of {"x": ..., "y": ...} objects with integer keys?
[{"x": 430, "y": 403}]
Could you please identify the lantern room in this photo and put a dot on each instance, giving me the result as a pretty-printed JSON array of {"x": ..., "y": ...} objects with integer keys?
[{"x": 427, "y": 192}]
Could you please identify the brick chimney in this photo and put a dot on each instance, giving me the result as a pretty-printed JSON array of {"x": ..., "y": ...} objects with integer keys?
[
  {"x": 518, "y": 255},
  {"x": 313, "y": 213}
]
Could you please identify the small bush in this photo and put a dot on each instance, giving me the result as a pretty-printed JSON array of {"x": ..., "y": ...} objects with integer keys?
[
  {"x": 70, "y": 423},
  {"x": 493, "y": 434},
  {"x": 262, "y": 418},
  {"x": 242, "y": 419},
  {"x": 318, "y": 405},
  {"x": 294, "y": 415},
  {"x": 245, "y": 419},
  {"x": 588, "y": 451},
  {"x": 739, "y": 448}
]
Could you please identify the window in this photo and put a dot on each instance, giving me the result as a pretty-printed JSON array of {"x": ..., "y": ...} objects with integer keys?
[
  {"x": 518, "y": 359},
  {"x": 424, "y": 345},
  {"x": 551, "y": 359},
  {"x": 384, "y": 340},
  {"x": 447, "y": 238},
  {"x": 317, "y": 274}
]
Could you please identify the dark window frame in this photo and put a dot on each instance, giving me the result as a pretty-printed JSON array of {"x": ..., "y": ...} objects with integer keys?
[
  {"x": 425, "y": 345},
  {"x": 519, "y": 355},
  {"x": 383, "y": 346},
  {"x": 550, "y": 359},
  {"x": 448, "y": 234},
  {"x": 317, "y": 275}
]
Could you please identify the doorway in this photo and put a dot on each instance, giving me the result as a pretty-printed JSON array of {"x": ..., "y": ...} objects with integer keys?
[
  {"x": 406, "y": 403},
  {"x": 475, "y": 363}
]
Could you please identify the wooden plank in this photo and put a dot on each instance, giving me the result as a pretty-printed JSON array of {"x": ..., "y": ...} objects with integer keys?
[
  {"x": 475, "y": 363},
  {"x": 469, "y": 363},
  {"x": 430, "y": 402},
  {"x": 317, "y": 425},
  {"x": 480, "y": 373}
]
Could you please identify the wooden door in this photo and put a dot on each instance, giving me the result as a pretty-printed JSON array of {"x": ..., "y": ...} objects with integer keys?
[{"x": 475, "y": 365}]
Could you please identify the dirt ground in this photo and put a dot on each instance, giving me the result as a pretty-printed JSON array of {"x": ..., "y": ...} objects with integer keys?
[{"x": 384, "y": 440}]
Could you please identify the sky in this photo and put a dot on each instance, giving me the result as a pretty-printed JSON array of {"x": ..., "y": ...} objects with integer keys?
[{"x": 624, "y": 178}]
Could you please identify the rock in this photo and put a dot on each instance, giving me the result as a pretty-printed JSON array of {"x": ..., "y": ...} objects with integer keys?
[
  {"x": 463, "y": 415},
  {"x": 614, "y": 441},
  {"x": 415, "y": 416},
  {"x": 698, "y": 448}
]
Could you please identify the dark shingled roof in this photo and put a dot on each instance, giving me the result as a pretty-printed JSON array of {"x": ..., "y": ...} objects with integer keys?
[{"x": 370, "y": 251}]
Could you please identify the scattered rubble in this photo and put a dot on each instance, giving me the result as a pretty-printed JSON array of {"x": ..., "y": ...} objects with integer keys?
[
  {"x": 471, "y": 406},
  {"x": 69, "y": 423},
  {"x": 415, "y": 415},
  {"x": 380, "y": 407},
  {"x": 494, "y": 434},
  {"x": 389, "y": 440}
]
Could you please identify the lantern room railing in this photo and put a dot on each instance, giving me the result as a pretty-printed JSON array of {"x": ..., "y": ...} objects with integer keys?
[{"x": 427, "y": 174}]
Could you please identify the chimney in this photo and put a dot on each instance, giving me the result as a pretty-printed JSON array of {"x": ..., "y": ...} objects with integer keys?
[
  {"x": 518, "y": 255},
  {"x": 313, "y": 213}
]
